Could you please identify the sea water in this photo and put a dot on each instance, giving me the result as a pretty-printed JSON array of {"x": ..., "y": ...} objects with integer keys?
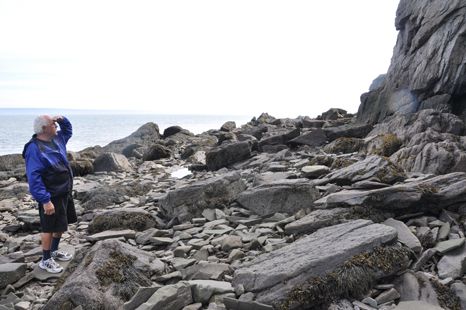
[{"x": 101, "y": 129}]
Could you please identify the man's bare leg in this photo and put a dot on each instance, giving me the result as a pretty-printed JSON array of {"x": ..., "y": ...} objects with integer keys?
[{"x": 46, "y": 239}]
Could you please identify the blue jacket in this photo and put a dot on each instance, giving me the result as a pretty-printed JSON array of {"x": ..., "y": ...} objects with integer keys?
[{"x": 48, "y": 171}]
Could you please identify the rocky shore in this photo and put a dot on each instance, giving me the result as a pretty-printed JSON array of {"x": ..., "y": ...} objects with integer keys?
[
  {"x": 340, "y": 212},
  {"x": 297, "y": 213}
]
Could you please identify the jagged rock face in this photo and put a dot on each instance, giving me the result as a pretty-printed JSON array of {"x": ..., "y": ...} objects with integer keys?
[{"x": 428, "y": 65}]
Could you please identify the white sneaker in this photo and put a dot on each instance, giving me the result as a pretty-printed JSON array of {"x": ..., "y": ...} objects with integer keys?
[
  {"x": 60, "y": 255},
  {"x": 51, "y": 266}
]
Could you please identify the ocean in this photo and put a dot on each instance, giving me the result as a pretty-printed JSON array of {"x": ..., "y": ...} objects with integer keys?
[{"x": 99, "y": 128}]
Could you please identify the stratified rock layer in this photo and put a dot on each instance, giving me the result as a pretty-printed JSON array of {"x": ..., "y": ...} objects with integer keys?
[{"x": 428, "y": 63}]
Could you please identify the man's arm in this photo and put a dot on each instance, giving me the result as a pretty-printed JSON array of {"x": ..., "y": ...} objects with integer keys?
[
  {"x": 35, "y": 170},
  {"x": 66, "y": 130}
]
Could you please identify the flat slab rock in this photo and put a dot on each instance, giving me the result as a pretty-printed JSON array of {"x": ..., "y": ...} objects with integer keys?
[
  {"x": 271, "y": 275},
  {"x": 439, "y": 192}
]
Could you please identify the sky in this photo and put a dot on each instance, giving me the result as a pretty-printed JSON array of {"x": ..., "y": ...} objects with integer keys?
[{"x": 286, "y": 58}]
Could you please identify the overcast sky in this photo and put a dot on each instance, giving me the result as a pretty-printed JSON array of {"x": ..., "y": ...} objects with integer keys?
[{"x": 287, "y": 58}]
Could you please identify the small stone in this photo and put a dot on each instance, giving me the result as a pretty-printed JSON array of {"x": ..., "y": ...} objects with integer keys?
[
  {"x": 445, "y": 246},
  {"x": 370, "y": 301},
  {"x": 387, "y": 296},
  {"x": 239, "y": 290}
]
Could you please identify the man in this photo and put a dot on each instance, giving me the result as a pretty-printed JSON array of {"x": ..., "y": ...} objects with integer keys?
[{"x": 50, "y": 183}]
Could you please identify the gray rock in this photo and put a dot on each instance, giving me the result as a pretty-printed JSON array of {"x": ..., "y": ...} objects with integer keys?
[
  {"x": 227, "y": 154},
  {"x": 415, "y": 305},
  {"x": 317, "y": 137},
  {"x": 235, "y": 304},
  {"x": 112, "y": 234},
  {"x": 144, "y": 237},
  {"x": 315, "y": 220},
  {"x": 203, "y": 290},
  {"x": 228, "y": 126},
  {"x": 344, "y": 145},
  {"x": 405, "y": 235},
  {"x": 370, "y": 301},
  {"x": 231, "y": 242},
  {"x": 422, "y": 259},
  {"x": 446, "y": 246},
  {"x": 280, "y": 196},
  {"x": 425, "y": 67},
  {"x": 122, "y": 218},
  {"x": 459, "y": 289},
  {"x": 453, "y": 263},
  {"x": 313, "y": 172},
  {"x": 372, "y": 166},
  {"x": 81, "y": 167},
  {"x": 111, "y": 162},
  {"x": 387, "y": 296},
  {"x": 271, "y": 275},
  {"x": 10, "y": 161},
  {"x": 279, "y": 137},
  {"x": 141, "y": 296},
  {"x": 155, "y": 152},
  {"x": 82, "y": 186},
  {"x": 104, "y": 196},
  {"x": 110, "y": 274},
  {"x": 146, "y": 135},
  {"x": 416, "y": 287},
  {"x": 190, "y": 201},
  {"x": 206, "y": 271},
  {"x": 443, "y": 232},
  {"x": 169, "y": 297},
  {"x": 441, "y": 191},
  {"x": 11, "y": 272}
]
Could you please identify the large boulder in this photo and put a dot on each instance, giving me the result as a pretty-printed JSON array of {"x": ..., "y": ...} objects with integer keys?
[
  {"x": 319, "y": 137},
  {"x": 431, "y": 195},
  {"x": 9, "y": 162},
  {"x": 427, "y": 66},
  {"x": 81, "y": 167},
  {"x": 111, "y": 162},
  {"x": 170, "y": 297},
  {"x": 406, "y": 127},
  {"x": 110, "y": 274},
  {"x": 227, "y": 154},
  {"x": 172, "y": 130},
  {"x": 432, "y": 152},
  {"x": 146, "y": 135},
  {"x": 155, "y": 152},
  {"x": 344, "y": 145},
  {"x": 288, "y": 196},
  {"x": 11, "y": 272},
  {"x": 281, "y": 136},
  {"x": 228, "y": 126},
  {"x": 104, "y": 196},
  {"x": 122, "y": 218},
  {"x": 272, "y": 275},
  {"x": 373, "y": 166},
  {"x": 189, "y": 201}
]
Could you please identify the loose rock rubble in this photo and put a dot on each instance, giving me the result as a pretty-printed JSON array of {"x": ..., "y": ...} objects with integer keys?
[{"x": 268, "y": 224}]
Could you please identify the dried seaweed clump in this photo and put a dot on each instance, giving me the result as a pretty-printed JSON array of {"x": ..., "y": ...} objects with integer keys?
[
  {"x": 120, "y": 273},
  {"x": 352, "y": 279},
  {"x": 122, "y": 220},
  {"x": 446, "y": 298}
]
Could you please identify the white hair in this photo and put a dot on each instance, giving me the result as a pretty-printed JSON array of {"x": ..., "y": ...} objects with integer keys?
[{"x": 40, "y": 121}]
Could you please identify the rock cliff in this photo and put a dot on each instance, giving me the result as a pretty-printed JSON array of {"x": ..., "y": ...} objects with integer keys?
[{"x": 428, "y": 65}]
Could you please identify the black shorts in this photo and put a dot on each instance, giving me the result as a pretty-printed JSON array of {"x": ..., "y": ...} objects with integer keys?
[{"x": 58, "y": 221}]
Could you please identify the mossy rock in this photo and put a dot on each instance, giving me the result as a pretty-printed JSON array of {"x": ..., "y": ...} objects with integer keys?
[
  {"x": 384, "y": 145},
  {"x": 344, "y": 145},
  {"x": 352, "y": 279},
  {"x": 123, "y": 218}
]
